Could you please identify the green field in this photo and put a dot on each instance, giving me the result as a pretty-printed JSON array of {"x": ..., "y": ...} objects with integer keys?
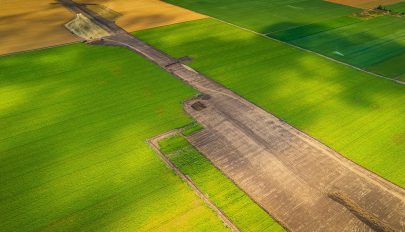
[
  {"x": 377, "y": 44},
  {"x": 267, "y": 16},
  {"x": 239, "y": 208},
  {"x": 353, "y": 112},
  {"x": 73, "y": 155},
  {"x": 398, "y": 7},
  {"x": 330, "y": 29}
]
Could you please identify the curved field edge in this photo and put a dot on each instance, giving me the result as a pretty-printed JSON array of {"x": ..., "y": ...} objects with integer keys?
[
  {"x": 73, "y": 156},
  {"x": 353, "y": 112},
  {"x": 238, "y": 207}
]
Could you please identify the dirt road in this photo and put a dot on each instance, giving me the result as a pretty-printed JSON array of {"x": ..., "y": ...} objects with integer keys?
[{"x": 298, "y": 180}]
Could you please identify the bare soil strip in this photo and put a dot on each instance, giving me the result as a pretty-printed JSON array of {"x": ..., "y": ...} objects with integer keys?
[
  {"x": 290, "y": 174},
  {"x": 153, "y": 142}
]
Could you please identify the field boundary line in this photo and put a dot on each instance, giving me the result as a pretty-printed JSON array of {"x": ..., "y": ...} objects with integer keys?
[
  {"x": 41, "y": 48},
  {"x": 265, "y": 35},
  {"x": 153, "y": 142}
]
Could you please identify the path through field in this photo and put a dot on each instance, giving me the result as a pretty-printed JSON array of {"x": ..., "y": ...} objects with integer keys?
[
  {"x": 28, "y": 25},
  {"x": 302, "y": 183}
]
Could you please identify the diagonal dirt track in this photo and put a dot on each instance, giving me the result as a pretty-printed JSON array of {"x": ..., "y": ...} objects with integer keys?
[{"x": 302, "y": 183}]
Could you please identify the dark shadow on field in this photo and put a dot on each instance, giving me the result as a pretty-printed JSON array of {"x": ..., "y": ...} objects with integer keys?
[{"x": 328, "y": 40}]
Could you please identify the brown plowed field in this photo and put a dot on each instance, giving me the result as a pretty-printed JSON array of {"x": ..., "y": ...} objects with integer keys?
[
  {"x": 26, "y": 25},
  {"x": 365, "y": 4}
]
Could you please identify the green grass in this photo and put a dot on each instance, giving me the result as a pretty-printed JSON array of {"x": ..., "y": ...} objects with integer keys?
[
  {"x": 73, "y": 155},
  {"x": 320, "y": 26},
  {"x": 238, "y": 207},
  {"x": 191, "y": 128},
  {"x": 355, "y": 113},
  {"x": 392, "y": 67},
  {"x": 367, "y": 44}
]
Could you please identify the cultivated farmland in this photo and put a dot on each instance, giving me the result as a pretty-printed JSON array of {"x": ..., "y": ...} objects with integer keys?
[
  {"x": 135, "y": 15},
  {"x": 74, "y": 121},
  {"x": 27, "y": 25},
  {"x": 375, "y": 44},
  {"x": 351, "y": 111},
  {"x": 244, "y": 213},
  {"x": 268, "y": 16}
]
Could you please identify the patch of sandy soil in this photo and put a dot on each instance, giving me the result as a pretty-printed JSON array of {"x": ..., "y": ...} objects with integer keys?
[
  {"x": 85, "y": 28},
  {"x": 27, "y": 25},
  {"x": 365, "y": 4}
]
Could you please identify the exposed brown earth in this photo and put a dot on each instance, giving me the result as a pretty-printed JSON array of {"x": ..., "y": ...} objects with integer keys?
[
  {"x": 290, "y": 174},
  {"x": 365, "y": 4},
  {"x": 27, "y": 25}
]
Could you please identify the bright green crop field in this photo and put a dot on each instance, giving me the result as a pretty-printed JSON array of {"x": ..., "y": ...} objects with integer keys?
[
  {"x": 239, "y": 208},
  {"x": 353, "y": 112},
  {"x": 73, "y": 156},
  {"x": 376, "y": 45},
  {"x": 267, "y": 16}
]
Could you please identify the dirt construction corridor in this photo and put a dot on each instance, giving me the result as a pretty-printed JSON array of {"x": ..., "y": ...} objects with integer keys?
[{"x": 299, "y": 181}]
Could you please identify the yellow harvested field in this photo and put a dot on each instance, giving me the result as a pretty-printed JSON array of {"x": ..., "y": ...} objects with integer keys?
[
  {"x": 365, "y": 4},
  {"x": 136, "y": 15},
  {"x": 27, "y": 25}
]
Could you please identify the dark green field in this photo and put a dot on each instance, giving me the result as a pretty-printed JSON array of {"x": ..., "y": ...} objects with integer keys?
[
  {"x": 239, "y": 208},
  {"x": 267, "y": 16},
  {"x": 73, "y": 155},
  {"x": 376, "y": 45},
  {"x": 353, "y": 112}
]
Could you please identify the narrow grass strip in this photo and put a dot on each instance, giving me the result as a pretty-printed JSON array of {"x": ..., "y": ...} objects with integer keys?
[{"x": 239, "y": 208}]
